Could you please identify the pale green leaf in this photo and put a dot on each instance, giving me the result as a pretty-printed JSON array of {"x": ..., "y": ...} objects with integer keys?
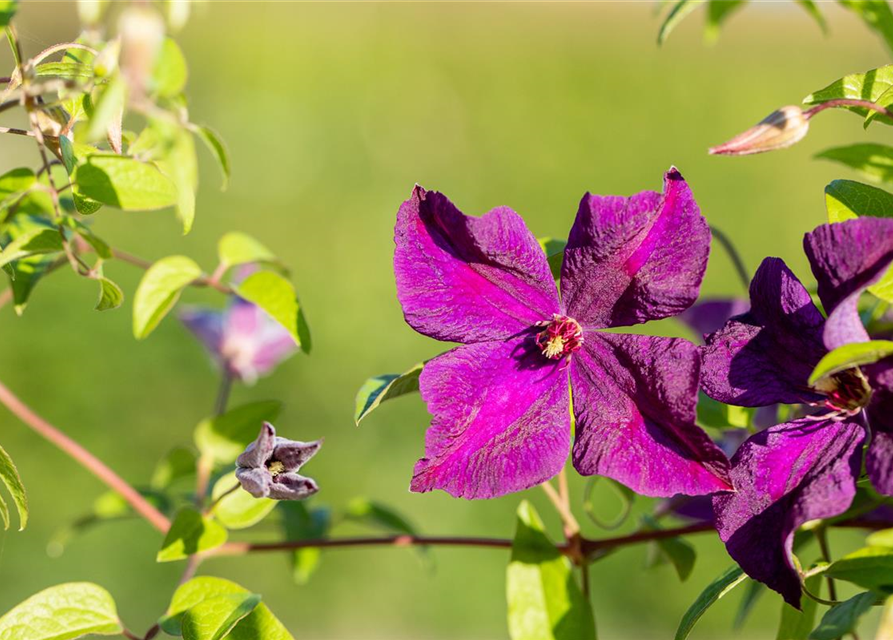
[
  {"x": 237, "y": 248},
  {"x": 842, "y": 619},
  {"x": 110, "y": 295},
  {"x": 64, "y": 71},
  {"x": 217, "y": 147},
  {"x": 869, "y": 567},
  {"x": 796, "y": 624},
  {"x": 876, "y": 15},
  {"x": 36, "y": 240},
  {"x": 125, "y": 183},
  {"x": 720, "y": 587},
  {"x": 107, "y": 109},
  {"x": 717, "y": 13},
  {"x": 882, "y": 538},
  {"x": 813, "y": 10},
  {"x": 376, "y": 515},
  {"x": 847, "y": 199},
  {"x": 238, "y": 509},
  {"x": 14, "y": 184},
  {"x": 170, "y": 74},
  {"x": 678, "y": 12},
  {"x": 9, "y": 476},
  {"x": 214, "y": 618},
  {"x": 7, "y": 11},
  {"x": 869, "y": 86},
  {"x": 260, "y": 624},
  {"x": 885, "y": 627},
  {"x": 222, "y": 438},
  {"x": 190, "y": 533},
  {"x": 63, "y": 612},
  {"x": 276, "y": 295},
  {"x": 874, "y": 161},
  {"x": 177, "y": 463},
  {"x": 302, "y": 523},
  {"x": 159, "y": 290},
  {"x": 849, "y": 356},
  {"x": 385, "y": 387},
  {"x": 544, "y": 600}
]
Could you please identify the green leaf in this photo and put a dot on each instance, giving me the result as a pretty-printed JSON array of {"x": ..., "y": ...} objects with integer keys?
[
  {"x": 125, "y": 183},
  {"x": 882, "y": 538},
  {"x": 376, "y": 515},
  {"x": 874, "y": 161},
  {"x": 717, "y": 415},
  {"x": 238, "y": 509},
  {"x": 302, "y": 523},
  {"x": 842, "y": 619},
  {"x": 748, "y": 600},
  {"x": 218, "y": 149},
  {"x": 72, "y": 153},
  {"x": 884, "y": 100},
  {"x": 170, "y": 74},
  {"x": 870, "y": 86},
  {"x": 237, "y": 248},
  {"x": 717, "y": 13},
  {"x": 14, "y": 184},
  {"x": 678, "y": 551},
  {"x": 681, "y": 8},
  {"x": 63, "y": 612},
  {"x": 222, "y": 438},
  {"x": 849, "y": 356},
  {"x": 177, "y": 463},
  {"x": 99, "y": 245},
  {"x": 36, "y": 240},
  {"x": 885, "y": 627},
  {"x": 544, "y": 600},
  {"x": 214, "y": 618},
  {"x": 797, "y": 624},
  {"x": 110, "y": 295},
  {"x": 107, "y": 109},
  {"x": 276, "y": 295},
  {"x": 847, "y": 199},
  {"x": 7, "y": 11},
  {"x": 876, "y": 14},
  {"x": 64, "y": 70},
  {"x": 554, "y": 250},
  {"x": 190, "y": 533},
  {"x": 812, "y": 9},
  {"x": 28, "y": 272},
  {"x": 869, "y": 567},
  {"x": 9, "y": 475},
  {"x": 159, "y": 290},
  {"x": 721, "y": 586},
  {"x": 385, "y": 387},
  {"x": 260, "y": 624}
]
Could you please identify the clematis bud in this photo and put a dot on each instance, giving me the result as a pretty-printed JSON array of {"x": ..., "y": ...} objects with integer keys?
[
  {"x": 142, "y": 35},
  {"x": 269, "y": 467},
  {"x": 779, "y": 130}
]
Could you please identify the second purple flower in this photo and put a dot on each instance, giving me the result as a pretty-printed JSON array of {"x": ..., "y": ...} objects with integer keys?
[{"x": 501, "y": 401}]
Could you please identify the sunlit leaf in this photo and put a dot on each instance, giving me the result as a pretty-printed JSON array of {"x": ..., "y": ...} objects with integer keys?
[
  {"x": 813, "y": 10},
  {"x": 110, "y": 295},
  {"x": 720, "y": 587},
  {"x": 238, "y": 509},
  {"x": 718, "y": 11},
  {"x": 276, "y": 295},
  {"x": 796, "y": 624},
  {"x": 177, "y": 463},
  {"x": 125, "y": 183},
  {"x": 7, "y": 11},
  {"x": 869, "y": 567},
  {"x": 678, "y": 12},
  {"x": 63, "y": 612},
  {"x": 849, "y": 356},
  {"x": 14, "y": 184},
  {"x": 222, "y": 438},
  {"x": 217, "y": 147},
  {"x": 869, "y": 86},
  {"x": 159, "y": 290},
  {"x": 9, "y": 476},
  {"x": 876, "y": 15},
  {"x": 874, "y": 161},
  {"x": 214, "y": 618},
  {"x": 190, "y": 533},
  {"x": 842, "y": 619},
  {"x": 385, "y": 387},
  {"x": 847, "y": 199},
  {"x": 106, "y": 109},
  {"x": 37, "y": 239},
  {"x": 237, "y": 248},
  {"x": 170, "y": 75}
]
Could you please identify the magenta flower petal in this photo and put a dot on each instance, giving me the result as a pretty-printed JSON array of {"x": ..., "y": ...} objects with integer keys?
[
  {"x": 466, "y": 279},
  {"x": 846, "y": 258},
  {"x": 634, "y": 401},
  {"x": 629, "y": 260},
  {"x": 710, "y": 315},
  {"x": 879, "y": 458},
  {"x": 766, "y": 355},
  {"x": 786, "y": 476},
  {"x": 501, "y": 420}
]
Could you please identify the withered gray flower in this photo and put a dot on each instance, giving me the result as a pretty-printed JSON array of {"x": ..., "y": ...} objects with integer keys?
[{"x": 268, "y": 467}]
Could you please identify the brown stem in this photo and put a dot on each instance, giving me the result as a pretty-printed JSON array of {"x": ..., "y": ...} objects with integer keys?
[
  {"x": 592, "y": 546},
  {"x": 86, "y": 459},
  {"x": 203, "y": 281},
  {"x": 241, "y": 548},
  {"x": 846, "y": 102}
]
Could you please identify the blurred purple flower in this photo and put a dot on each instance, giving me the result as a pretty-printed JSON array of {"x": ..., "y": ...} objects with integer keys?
[
  {"x": 807, "y": 468},
  {"x": 501, "y": 400},
  {"x": 243, "y": 339},
  {"x": 710, "y": 314},
  {"x": 268, "y": 467}
]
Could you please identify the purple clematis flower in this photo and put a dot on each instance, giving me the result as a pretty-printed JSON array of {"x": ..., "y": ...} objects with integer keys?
[
  {"x": 709, "y": 315},
  {"x": 807, "y": 468},
  {"x": 268, "y": 467},
  {"x": 501, "y": 402},
  {"x": 243, "y": 339}
]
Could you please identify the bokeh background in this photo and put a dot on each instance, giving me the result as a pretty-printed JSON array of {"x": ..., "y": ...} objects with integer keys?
[{"x": 332, "y": 112}]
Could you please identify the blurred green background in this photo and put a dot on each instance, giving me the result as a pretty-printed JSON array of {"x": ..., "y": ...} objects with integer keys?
[{"x": 332, "y": 112}]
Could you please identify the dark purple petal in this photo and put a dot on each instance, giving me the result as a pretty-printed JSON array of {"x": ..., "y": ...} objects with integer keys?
[
  {"x": 698, "y": 508},
  {"x": 766, "y": 355},
  {"x": 255, "y": 481},
  {"x": 259, "y": 451},
  {"x": 291, "y": 486},
  {"x": 466, "y": 279},
  {"x": 846, "y": 258},
  {"x": 294, "y": 454},
  {"x": 879, "y": 458},
  {"x": 634, "y": 401},
  {"x": 710, "y": 315},
  {"x": 501, "y": 420},
  {"x": 786, "y": 476},
  {"x": 629, "y": 260},
  {"x": 206, "y": 325}
]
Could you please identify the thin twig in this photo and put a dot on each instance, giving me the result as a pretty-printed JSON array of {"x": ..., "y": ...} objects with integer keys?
[
  {"x": 203, "y": 281},
  {"x": 821, "y": 535},
  {"x": 571, "y": 526},
  {"x": 86, "y": 459},
  {"x": 846, "y": 102},
  {"x": 241, "y": 548}
]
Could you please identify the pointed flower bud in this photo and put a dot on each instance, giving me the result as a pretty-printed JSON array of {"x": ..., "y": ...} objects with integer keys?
[{"x": 779, "y": 130}]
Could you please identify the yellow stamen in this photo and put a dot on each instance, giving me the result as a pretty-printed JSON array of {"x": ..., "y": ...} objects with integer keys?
[
  {"x": 276, "y": 468},
  {"x": 554, "y": 347}
]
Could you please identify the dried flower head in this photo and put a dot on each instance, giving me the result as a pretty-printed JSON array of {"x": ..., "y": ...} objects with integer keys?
[{"x": 268, "y": 467}]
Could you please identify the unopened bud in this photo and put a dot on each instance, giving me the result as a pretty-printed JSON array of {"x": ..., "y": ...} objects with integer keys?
[
  {"x": 779, "y": 130},
  {"x": 142, "y": 34}
]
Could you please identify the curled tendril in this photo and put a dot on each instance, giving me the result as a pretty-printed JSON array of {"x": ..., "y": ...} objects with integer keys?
[{"x": 626, "y": 500}]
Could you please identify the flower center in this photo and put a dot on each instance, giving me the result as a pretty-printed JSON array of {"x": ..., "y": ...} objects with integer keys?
[
  {"x": 560, "y": 338},
  {"x": 275, "y": 468},
  {"x": 847, "y": 391}
]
